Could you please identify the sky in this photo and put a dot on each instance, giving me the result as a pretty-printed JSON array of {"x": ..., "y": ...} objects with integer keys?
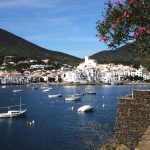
[{"x": 68, "y": 26}]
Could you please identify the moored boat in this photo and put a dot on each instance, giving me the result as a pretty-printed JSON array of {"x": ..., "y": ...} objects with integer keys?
[
  {"x": 4, "y": 87},
  {"x": 72, "y": 98},
  {"x": 86, "y": 108},
  {"x": 13, "y": 113},
  {"x": 18, "y": 91},
  {"x": 47, "y": 90},
  {"x": 54, "y": 95},
  {"x": 89, "y": 92}
]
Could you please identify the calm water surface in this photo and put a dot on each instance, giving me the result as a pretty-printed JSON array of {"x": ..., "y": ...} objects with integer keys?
[{"x": 57, "y": 126}]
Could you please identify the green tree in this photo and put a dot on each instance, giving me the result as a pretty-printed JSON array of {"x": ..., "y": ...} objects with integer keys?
[
  {"x": 60, "y": 79},
  {"x": 126, "y": 21}
]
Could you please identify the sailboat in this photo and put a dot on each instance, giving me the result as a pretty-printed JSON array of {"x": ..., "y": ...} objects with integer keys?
[
  {"x": 13, "y": 113},
  {"x": 55, "y": 95},
  {"x": 73, "y": 97}
]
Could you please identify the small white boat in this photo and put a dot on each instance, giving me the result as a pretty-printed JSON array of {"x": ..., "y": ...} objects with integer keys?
[
  {"x": 72, "y": 98},
  {"x": 18, "y": 91},
  {"x": 47, "y": 90},
  {"x": 4, "y": 87},
  {"x": 54, "y": 95},
  {"x": 86, "y": 108},
  {"x": 89, "y": 92},
  {"x": 13, "y": 113},
  {"x": 44, "y": 87}
]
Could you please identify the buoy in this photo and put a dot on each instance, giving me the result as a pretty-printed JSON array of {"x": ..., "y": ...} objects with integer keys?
[
  {"x": 30, "y": 123},
  {"x": 103, "y": 96},
  {"x": 103, "y": 105},
  {"x": 33, "y": 121},
  {"x": 72, "y": 108}
]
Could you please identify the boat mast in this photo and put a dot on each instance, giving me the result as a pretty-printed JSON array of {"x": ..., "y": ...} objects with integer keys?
[{"x": 20, "y": 103}]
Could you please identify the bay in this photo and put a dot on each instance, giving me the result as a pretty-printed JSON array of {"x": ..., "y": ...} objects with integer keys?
[{"x": 58, "y": 125}]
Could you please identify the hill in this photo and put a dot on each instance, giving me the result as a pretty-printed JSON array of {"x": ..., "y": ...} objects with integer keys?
[
  {"x": 123, "y": 55},
  {"x": 11, "y": 44}
]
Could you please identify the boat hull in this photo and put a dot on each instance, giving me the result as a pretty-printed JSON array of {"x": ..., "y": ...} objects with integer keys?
[
  {"x": 11, "y": 114},
  {"x": 55, "y": 95},
  {"x": 74, "y": 98},
  {"x": 18, "y": 91},
  {"x": 86, "y": 108}
]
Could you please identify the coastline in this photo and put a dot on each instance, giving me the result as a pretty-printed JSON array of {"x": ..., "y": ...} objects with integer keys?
[{"x": 74, "y": 84}]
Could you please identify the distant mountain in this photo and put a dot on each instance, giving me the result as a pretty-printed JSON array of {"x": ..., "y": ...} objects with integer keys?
[
  {"x": 11, "y": 44},
  {"x": 123, "y": 55}
]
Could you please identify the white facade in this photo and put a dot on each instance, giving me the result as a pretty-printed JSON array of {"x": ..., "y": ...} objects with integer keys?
[
  {"x": 71, "y": 76},
  {"x": 88, "y": 63}
]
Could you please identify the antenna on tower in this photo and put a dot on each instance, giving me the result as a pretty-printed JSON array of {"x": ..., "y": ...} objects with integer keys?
[{"x": 86, "y": 57}]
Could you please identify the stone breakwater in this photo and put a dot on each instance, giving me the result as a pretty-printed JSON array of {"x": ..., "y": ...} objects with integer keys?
[{"x": 133, "y": 118}]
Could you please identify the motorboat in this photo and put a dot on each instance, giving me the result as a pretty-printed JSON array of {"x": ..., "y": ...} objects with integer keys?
[
  {"x": 54, "y": 95},
  {"x": 72, "y": 98},
  {"x": 18, "y": 91},
  {"x": 13, "y": 113},
  {"x": 86, "y": 108}
]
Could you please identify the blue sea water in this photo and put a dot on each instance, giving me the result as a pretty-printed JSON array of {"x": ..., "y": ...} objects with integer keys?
[{"x": 58, "y": 125}]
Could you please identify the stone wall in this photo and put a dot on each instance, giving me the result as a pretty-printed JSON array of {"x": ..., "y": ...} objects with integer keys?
[{"x": 133, "y": 118}]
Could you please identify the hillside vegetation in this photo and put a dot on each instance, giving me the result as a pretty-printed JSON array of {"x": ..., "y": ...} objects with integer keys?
[
  {"x": 11, "y": 44},
  {"x": 123, "y": 55}
]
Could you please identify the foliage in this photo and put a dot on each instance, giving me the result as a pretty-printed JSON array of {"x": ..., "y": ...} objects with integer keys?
[
  {"x": 146, "y": 62},
  {"x": 134, "y": 78},
  {"x": 42, "y": 80},
  {"x": 21, "y": 67},
  {"x": 123, "y": 55},
  {"x": 18, "y": 67},
  {"x": 148, "y": 81},
  {"x": 126, "y": 21},
  {"x": 17, "y": 59},
  {"x": 10, "y": 67},
  {"x": 60, "y": 79},
  {"x": 1, "y": 61},
  {"x": 51, "y": 79}
]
